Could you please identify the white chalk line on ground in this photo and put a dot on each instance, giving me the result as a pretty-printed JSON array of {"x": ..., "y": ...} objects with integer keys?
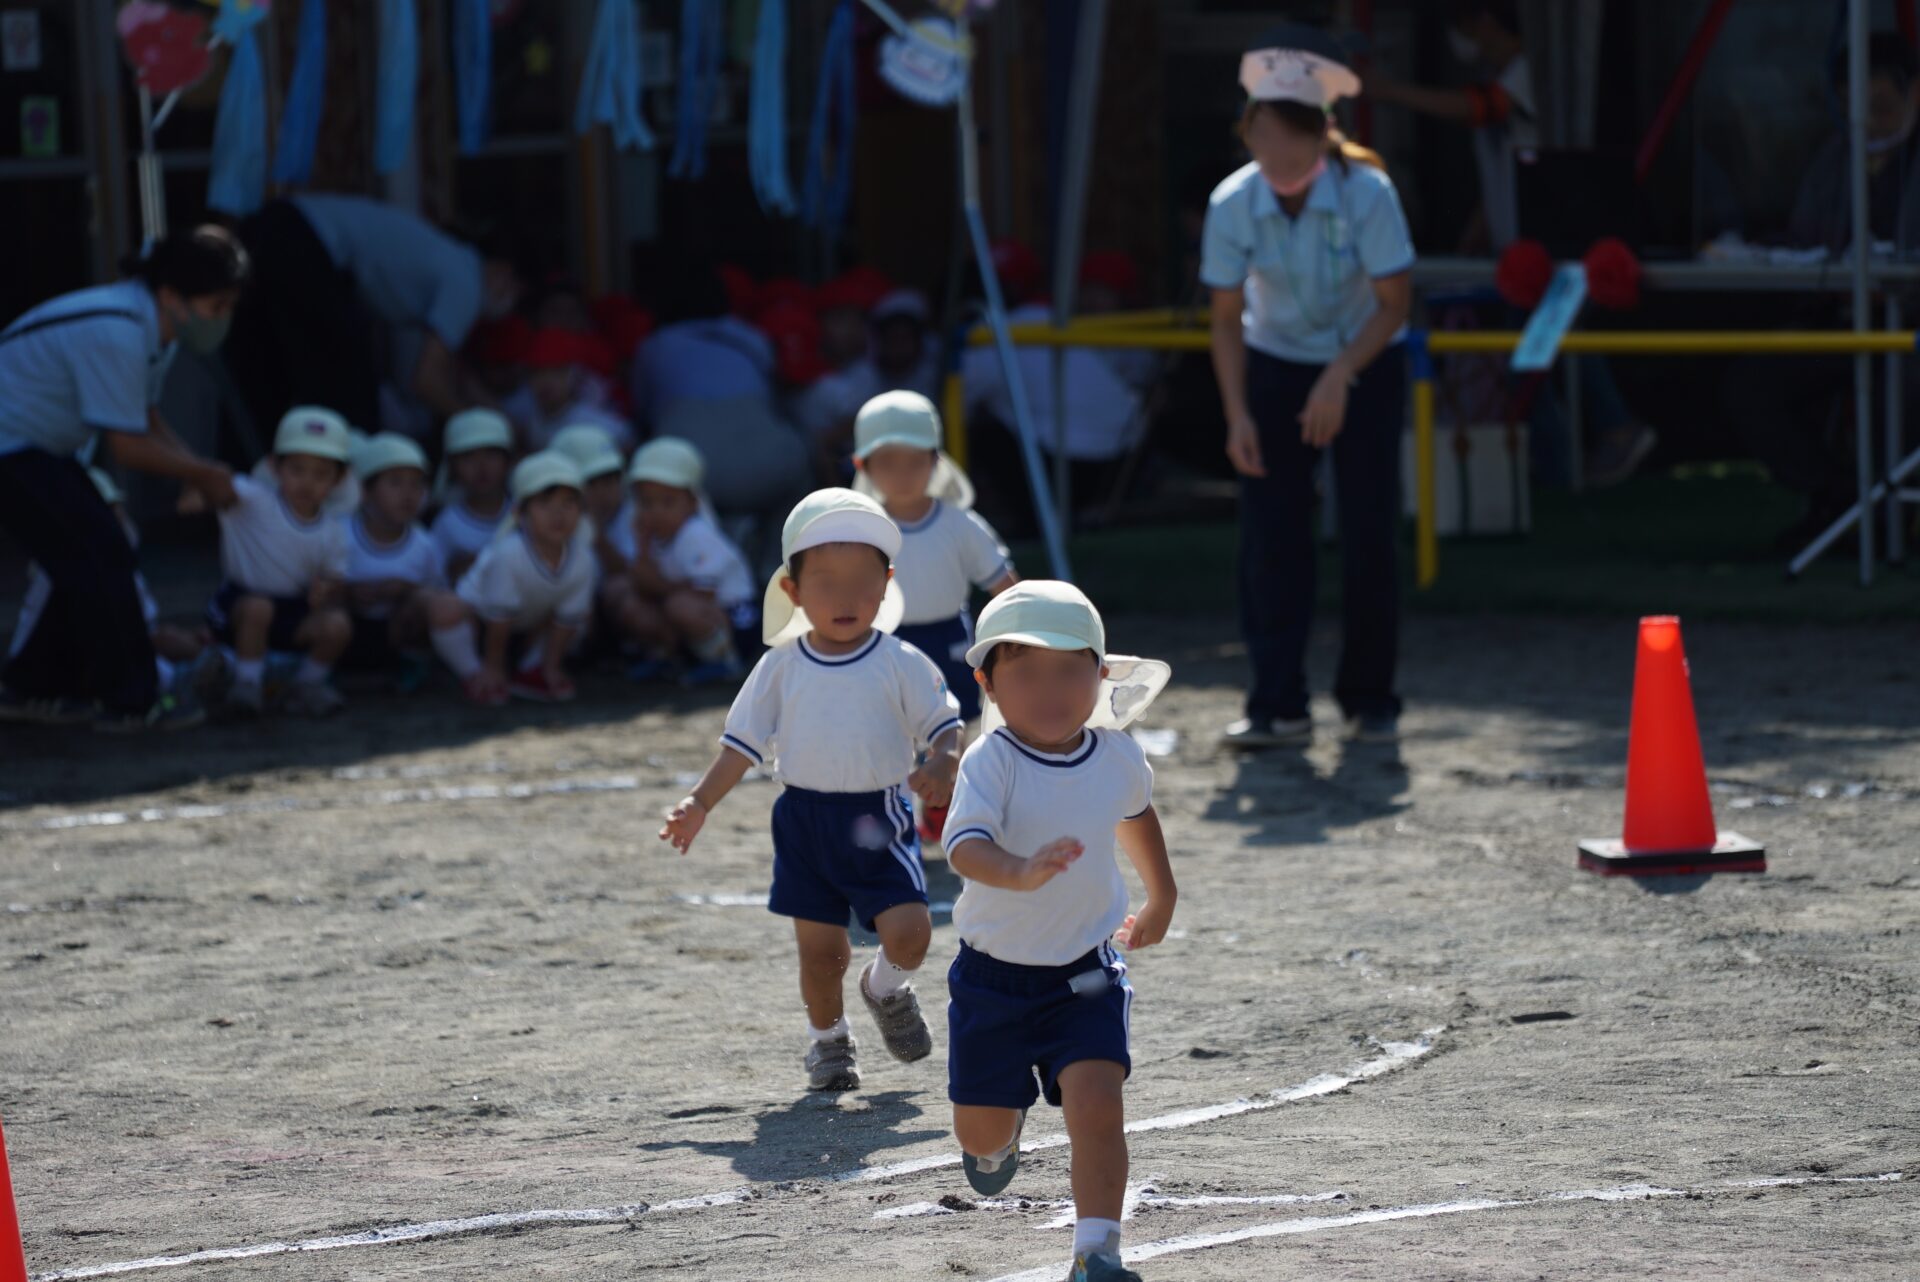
[
  {"x": 1430, "y": 1210},
  {"x": 1138, "y": 1195},
  {"x": 282, "y": 805},
  {"x": 1393, "y": 1055}
]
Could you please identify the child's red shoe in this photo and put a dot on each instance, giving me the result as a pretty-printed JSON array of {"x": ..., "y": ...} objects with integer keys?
[{"x": 532, "y": 685}]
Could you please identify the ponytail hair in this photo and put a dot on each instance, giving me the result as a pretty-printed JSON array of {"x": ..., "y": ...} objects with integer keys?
[
  {"x": 208, "y": 259},
  {"x": 1304, "y": 118}
]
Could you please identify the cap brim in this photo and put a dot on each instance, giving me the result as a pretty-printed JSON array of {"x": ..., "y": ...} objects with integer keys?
[
  {"x": 1128, "y": 690},
  {"x": 659, "y": 476},
  {"x": 977, "y": 653},
  {"x": 782, "y": 621},
  {"x": 949, "y": 483}
]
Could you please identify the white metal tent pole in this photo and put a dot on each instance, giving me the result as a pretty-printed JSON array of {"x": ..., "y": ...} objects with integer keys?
[
  {"x": 1083, "y": 95},
  {"x": 153, "y": 193},
  {"x": 1862, "y": 237}
]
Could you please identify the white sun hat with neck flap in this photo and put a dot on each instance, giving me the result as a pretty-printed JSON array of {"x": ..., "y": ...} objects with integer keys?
[
  {"x": 1297, "y": 64},
  {"x": 829, "y": 516},
  {"x": 908, "y": 419},
  {"x": 1050, "y": 615}
]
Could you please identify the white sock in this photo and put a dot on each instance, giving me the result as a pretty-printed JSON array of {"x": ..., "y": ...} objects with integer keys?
[
  {"x": 717, "y": 648},
  {"x": 840, "y": 1029},
  {"x": 886, "y": 979},
  {"x": 455, "y": 646},
  {"x": 1095, "y": 1235},
  {"x": 312, "y": 672},
  {"x": 249, "y": 672}
]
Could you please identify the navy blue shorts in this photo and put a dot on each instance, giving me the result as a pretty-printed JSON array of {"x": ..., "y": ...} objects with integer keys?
[
  {"x": 840, "y": 853},
  {"x": 946, "y": 642},
  {"x": 1012, "y": 1029},
  {"x": 289, "y": 612}
]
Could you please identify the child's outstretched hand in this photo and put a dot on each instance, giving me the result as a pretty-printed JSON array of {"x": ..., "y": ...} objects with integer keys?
[
  {"x": 1049, "y": 862},
  {"x": 933, "y": 782},
  {"x": 1145, "y": 928},
  {"x": 683, "y": 824}
]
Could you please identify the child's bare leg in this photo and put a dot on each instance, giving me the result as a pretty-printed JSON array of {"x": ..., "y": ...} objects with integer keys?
[
  {"x": 324, "y": 635},
  {"x": 983, "y": 1130},
  {"x": 407, "y": 629},
  {"x": 643, "y": 623},
  {"x": 1090, "y": 1096},
  {"x": 252, "y": 619},
  {"x": 698, "y": 622},
  {"x": 824, "y": 953}
]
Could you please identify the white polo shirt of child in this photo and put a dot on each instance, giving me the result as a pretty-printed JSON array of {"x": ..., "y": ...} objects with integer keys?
[
  {"x": 511, "y": 583},
  {"x": 412, "y": 558},
  {"x": 943, "y": 557},
  {"x": 266, "y": 549},
  {"x": 698, "y": 554},
  {"x": 458, "y": 532},
  {"x": 841, "y": 723},
  {"x": 1021, "y": 799}
]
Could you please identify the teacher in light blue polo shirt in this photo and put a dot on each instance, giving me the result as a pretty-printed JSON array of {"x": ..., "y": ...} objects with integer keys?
[{"x": 1308, "y": 256}]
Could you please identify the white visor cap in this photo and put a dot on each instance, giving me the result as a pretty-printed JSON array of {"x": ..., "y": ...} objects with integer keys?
[
  {"x": 908, "y": 419},
  {"x": 823, "y": 517},
  {"x": 1296, "y": 75}
]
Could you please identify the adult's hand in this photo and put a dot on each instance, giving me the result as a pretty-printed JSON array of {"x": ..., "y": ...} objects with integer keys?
[
  {"x": 1243, "y": 446},
  {"x": 1325, "y": 412}
]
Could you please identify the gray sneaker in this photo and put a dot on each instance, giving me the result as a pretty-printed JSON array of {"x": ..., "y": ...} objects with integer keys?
[
  {"x": 1247, "y": 734},
  {"x": 312, "y": 699},
  {"x": 901, "y": 1025},
  {"x": 1102, "y": 1266},
  {"x": 830, "y": 1065}
]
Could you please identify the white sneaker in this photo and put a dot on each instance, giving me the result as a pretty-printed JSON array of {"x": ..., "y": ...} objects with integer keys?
[{"x": 1249, "y": 734}]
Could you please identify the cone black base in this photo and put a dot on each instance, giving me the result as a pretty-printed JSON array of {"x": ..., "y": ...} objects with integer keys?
[{"x": 1731, "y": 853}]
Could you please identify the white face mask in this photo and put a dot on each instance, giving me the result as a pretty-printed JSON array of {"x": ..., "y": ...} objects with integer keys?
[{"x": 1463, "y": 47}]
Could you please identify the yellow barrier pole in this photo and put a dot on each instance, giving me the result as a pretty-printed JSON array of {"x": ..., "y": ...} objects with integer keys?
[
  {"x": 1426, "y": 530},
  {"x": 953, "y": 408}
]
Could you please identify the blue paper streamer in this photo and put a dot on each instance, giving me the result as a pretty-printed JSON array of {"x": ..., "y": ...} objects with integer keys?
[
  {"x": 398, "y": 83},
  {"x": 824, "y": 199},
  {"x": 306, "y": 98},
  {"x": 767, "y": 111},
  {"x": 611, "y": 88},
  {"x": 238, "y": 182},
  {"x": 472, "y": 71},
  {"x": 702, "y": 33}
]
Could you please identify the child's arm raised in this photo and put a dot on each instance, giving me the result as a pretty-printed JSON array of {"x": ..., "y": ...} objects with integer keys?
[
  {"x": 978, "y": 859},
  {"x": 686, "y": 819},
  {"x": 1146, "y": 846}
]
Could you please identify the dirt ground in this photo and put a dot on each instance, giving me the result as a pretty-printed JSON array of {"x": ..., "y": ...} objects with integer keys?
[{"x": 422, "y": 963}]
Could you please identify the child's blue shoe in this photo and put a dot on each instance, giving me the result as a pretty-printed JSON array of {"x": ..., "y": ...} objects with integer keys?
[
  {"x": 413, "y": 673},
  {"x": 991, "y": 1175},
  {"x": 1102, "y": 1266},
  {"x": 705, "y": 674}
]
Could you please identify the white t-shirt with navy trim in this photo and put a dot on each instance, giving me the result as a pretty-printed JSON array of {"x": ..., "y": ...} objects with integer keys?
[
  {"x": 86, "y": 361},
  {"x": 266, "y": 549},
  {"x": 510, "y": 582},
  {"x": 458, "y": 532},
  {"x": 1021, "y": 799},
  {"x": 698, "y": 554},
  {"x": 841, "y": 723},
  {"x": 943, "y": 557},
  {"x": 412, "y": 558}
]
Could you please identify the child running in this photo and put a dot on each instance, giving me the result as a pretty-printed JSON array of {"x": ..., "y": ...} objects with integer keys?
[
  {"x": 946, "y": 550},
  {"x": 478, "y": 444},
  {"x": 533, "y": 583},
  {"x": 396, "y": 579},
  {"x": 841, "y": 709},
  {"x": 683, "y": 586},
  {"x": 1038, "y": 987},
  {"x": 283, "y": 561}
]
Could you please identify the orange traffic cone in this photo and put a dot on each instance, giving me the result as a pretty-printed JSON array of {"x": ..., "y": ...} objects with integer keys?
[
  {"x": 1669, "y": 828},
  {"x": 13, "y": 1259}
]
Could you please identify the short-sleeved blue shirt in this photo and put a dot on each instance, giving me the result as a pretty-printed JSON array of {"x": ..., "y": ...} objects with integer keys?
[
  {"x": 412, "y": 275},
  {"x": 1308, "y": 278},
  {"x": 83, "y": 362}
]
